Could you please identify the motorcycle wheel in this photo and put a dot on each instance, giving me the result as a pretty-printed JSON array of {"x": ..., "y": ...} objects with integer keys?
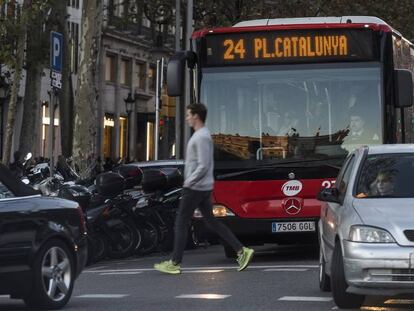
[
  {"x": 97, "y": 248},
  {"x": 124, "y": 239},
  {"x": 150, "y": 238}
]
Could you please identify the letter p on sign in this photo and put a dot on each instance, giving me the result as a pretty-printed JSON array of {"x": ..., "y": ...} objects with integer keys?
[{"x": 56, "y": 51}]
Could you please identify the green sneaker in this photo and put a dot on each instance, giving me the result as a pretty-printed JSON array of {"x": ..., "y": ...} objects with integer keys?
[
  {"x": 167, "y": 267},
  {"x": 245, "y": 258}
]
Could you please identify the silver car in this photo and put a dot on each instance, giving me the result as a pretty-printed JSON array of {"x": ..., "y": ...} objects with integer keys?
[{"x": 366, "y": 229}]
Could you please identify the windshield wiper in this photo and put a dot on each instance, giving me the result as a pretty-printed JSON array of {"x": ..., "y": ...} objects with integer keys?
[{"x": 270, "y": 166}]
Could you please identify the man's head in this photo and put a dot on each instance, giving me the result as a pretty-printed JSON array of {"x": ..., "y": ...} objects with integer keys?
[
  {"x": 196, "y": 115},
  {"x": 356, "y": 124}
]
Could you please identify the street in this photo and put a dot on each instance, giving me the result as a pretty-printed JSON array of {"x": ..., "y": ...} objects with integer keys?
[{"x": 280, "y": 278}]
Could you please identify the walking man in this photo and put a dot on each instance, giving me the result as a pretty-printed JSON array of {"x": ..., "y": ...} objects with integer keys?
[{"x": 198, "y": 185}]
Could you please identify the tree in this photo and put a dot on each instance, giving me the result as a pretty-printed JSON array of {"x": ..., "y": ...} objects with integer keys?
[
  {"x": 14, "y": 60},
  {"x": 36, "y": 57},
  {"x": 85, "y": 125}
]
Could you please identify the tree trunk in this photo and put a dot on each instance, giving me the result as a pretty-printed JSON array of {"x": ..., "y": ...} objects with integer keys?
[
  {"x": 18, "y": 68},
  {"x": 66, "y": 94},
  {"x": 31, "y": 103},
  {"x": 85, "y": 108}
]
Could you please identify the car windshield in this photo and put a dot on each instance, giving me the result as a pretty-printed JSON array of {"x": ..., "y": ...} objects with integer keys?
[
  {"x": 386, "y": 175},
  {"x": 258, "y": 114}
]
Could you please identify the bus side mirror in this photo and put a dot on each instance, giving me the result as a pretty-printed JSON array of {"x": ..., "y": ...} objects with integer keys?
[
  {"x": 175, "y": 74},
  {"x": 403, "y": 88}
]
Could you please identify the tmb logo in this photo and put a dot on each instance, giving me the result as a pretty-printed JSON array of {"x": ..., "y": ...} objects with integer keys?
[{"x": 291, "y": 188}]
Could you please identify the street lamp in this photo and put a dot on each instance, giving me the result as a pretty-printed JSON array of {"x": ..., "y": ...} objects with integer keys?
[{"x": 129, "y": 106}]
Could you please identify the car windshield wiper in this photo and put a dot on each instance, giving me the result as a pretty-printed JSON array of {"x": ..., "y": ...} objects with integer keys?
[{"x": 269, "y": 166}]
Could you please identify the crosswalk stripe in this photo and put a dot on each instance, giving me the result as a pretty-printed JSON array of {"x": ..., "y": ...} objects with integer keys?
[
  {"x": 285, "y": 270},
  {"x": 202, "y": 271},
  {"x": 121, "y": 273},
  {"x": 299, "y": 298},
  {"x": 204, "y": 296},
  {"x": 102, "y": 296}
]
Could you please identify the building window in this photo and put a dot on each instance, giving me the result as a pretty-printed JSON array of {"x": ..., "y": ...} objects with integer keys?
[
  {"x": 141, "y": 76},
  {"x": 152, "y": 76},
  {"x": 110, "y": 66},
  {"x": 125, "y": 72},
  {"x": 119, "y": 6}
]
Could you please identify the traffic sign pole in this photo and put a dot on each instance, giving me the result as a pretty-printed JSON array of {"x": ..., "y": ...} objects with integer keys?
[{"x": 56, "y": 61}]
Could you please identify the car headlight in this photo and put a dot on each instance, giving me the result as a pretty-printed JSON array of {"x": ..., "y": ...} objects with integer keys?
[
  {"x": 218, "y": 211},
  {"x": 367, "y": 234}
]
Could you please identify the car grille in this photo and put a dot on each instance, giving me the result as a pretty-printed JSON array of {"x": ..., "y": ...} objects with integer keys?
[
  {"x": 409, "y": 234},
  {"x": 391, "y": 275},
  {"x": 402, "y": 275}
]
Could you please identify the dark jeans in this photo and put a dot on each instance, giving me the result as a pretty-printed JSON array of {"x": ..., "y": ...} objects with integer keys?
[{"x": 191, "y": 200}]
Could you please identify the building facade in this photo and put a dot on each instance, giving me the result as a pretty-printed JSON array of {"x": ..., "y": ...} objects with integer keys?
[{"x": 127, "y": 81}]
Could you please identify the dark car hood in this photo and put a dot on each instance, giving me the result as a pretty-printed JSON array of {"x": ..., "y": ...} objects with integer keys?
[{"x": 14, "y": 183}]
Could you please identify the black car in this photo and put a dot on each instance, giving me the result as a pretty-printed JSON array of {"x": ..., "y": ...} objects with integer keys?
[{"x": 43, "y": 245}]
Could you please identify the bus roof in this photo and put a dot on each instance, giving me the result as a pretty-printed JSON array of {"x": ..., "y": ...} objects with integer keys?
[
  {"x": 303, "y": 23},
  {"x": 314, "y": 20}
]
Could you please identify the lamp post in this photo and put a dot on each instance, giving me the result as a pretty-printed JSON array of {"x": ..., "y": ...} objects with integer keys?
[{"x": 129, "y": 106}]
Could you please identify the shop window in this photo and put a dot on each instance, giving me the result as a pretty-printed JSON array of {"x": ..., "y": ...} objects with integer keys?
[
  {"x": 123, "y": 133},
  {"x": 109, "y": 124}
]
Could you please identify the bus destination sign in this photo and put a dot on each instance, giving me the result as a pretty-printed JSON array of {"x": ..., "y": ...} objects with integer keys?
[{"x": 267, "y": 47}]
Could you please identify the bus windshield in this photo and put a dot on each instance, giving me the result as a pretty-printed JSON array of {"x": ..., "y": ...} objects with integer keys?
[{"x": 279, "y": 113}]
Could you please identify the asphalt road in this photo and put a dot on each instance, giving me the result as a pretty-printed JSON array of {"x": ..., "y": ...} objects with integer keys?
[{"x": 280, "y": 278}]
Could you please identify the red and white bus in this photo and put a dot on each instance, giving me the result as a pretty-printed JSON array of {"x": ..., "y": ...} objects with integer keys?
[{"x": 287, "y": 100}]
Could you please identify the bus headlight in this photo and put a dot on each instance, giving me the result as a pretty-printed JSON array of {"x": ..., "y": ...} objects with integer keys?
[
  {"x": 221, "y": 211},
  {"x": 218, "y": 211}
]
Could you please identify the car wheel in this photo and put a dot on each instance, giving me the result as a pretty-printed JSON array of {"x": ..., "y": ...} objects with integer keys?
[
  {"x": 53, "y": 272},
  {"x": 338, "y": 283},
  {"x": 324, "y": 279}
]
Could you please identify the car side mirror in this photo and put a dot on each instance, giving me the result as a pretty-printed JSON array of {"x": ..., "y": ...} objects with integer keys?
[
  {"x": 329, "y": 195},
  {"x": 403, "y": 88}
]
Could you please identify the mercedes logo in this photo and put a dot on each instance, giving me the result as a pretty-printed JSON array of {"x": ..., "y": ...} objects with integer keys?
[
  {"x": 291, "y": 175},
  {"x": 292, "y": 206}
]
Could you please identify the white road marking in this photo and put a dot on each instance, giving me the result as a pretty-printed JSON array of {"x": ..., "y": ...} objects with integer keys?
[
  {"x": 4, "y": 296},
  {"x": 285, "y": 270},
  {"x": 204, "y": 296},
  {"x": 121, "y": 273},
  {"x": 97, "y": 268},
  {"x": 400, "y": 301},
  {"x": 210, "y": 268},
  {"x": 102, "y": 296},
  {"x": 299, "y": 298},
  {"x": 203, "y": 271}
]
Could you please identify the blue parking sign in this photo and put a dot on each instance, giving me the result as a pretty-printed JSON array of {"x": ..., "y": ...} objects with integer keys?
[{"x": 56, "y": 51}]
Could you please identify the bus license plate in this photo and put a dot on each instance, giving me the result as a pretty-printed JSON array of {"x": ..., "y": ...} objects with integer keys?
[{"x": 297, "y": 226}]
